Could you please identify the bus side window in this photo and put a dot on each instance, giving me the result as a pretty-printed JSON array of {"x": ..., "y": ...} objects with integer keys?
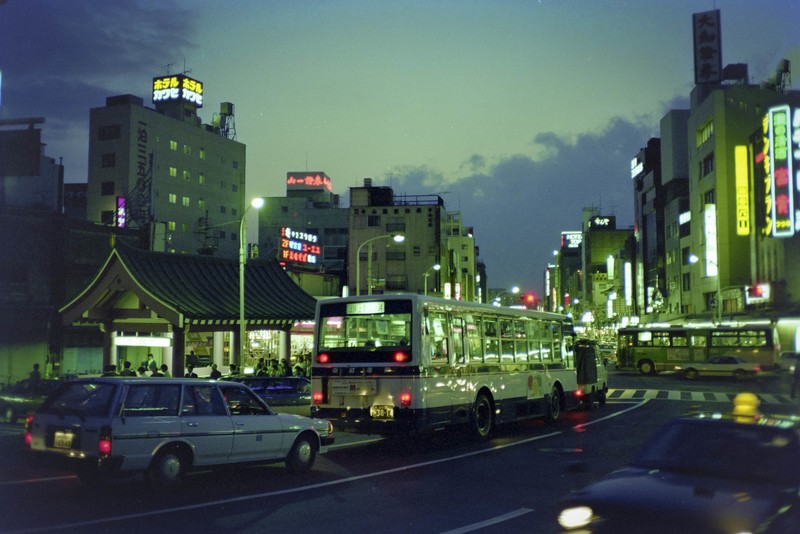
[
  {"x": 491, "y": 344},
  {"x": 459, "y": 339},
  {"x": 437, "y": 324}
]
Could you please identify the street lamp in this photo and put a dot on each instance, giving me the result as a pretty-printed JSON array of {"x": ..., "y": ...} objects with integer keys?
[
  {"x": 398, "y": 238},
  {"x": 513, "y": 291},
  {"x": 436, "y": 267},
  {"x": 693, "y": 258},
  {"x": 256, "y": 203}
]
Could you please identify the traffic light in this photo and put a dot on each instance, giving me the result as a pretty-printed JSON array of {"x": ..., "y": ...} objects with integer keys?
[{"x": 528, "y": 299}]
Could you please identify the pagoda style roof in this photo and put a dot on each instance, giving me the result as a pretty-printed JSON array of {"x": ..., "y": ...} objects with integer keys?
[{"x": 136, "y": 286}]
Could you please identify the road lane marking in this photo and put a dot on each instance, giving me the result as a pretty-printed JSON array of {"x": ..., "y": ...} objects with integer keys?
[{"x": 490, "y": 522}]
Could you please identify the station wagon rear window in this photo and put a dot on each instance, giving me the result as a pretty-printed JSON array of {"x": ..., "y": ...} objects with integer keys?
[{"x": 81, "y": 398}]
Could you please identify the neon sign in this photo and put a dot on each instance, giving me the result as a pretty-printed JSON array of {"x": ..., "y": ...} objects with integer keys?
[
  {"x": 178, "y": 87},
  {"x": 742, "y": 191},
  {"x": 781, "y": 180},
  {"x": 299, "y": 247},
  {"x": 313, "y": 181}
]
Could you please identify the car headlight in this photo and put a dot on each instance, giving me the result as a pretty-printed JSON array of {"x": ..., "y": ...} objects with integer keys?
[{"x": 575, "y": 517}]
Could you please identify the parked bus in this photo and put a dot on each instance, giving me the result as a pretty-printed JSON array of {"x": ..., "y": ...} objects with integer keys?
[
  {"x": 410, "y": 363},
  {"x": 651, "y": 349}
]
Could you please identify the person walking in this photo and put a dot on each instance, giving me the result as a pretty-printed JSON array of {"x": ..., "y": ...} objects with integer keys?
[
  {"x": 215, "y": 373},
  {"x": 190, "y": 372},
  {"x": 152, "y": 366}
]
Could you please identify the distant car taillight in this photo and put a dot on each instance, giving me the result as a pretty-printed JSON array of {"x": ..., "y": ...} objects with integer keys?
[
  {"x": 323, "y": 357},
  {"x": 405, "y": 399},
  {"x": 104, "y": 446}
]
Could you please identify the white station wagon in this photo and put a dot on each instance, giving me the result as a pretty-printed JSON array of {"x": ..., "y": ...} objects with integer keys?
[{"x": 163, "y": 427}]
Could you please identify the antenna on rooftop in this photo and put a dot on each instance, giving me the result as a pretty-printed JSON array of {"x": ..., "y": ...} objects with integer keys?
[
  {"x": 168, "y": 67},
  {"x": 185, "y": 70}
]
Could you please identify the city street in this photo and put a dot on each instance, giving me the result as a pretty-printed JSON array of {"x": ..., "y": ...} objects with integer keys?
[{"x": 444, "y": 483}]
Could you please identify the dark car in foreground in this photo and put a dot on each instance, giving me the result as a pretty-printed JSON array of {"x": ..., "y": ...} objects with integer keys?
[
  {"x": 21, "y": 399},
  {"x": 284, "y": 394},
  {"x": 704, "y": 472}
]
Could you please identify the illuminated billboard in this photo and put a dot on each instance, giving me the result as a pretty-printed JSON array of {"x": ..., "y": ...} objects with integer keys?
[
  {"x": 779, "y": 165},
  {"x": 299, "y": 247},
  {"x": 571, "y": 240},
  {"x": 309, "y": 181},
  {"x": 742, "y": 191},
  {"x": 177, "y": 88}
]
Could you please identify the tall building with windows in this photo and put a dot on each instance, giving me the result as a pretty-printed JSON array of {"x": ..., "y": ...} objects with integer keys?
[{"x": 162, "y": 170}]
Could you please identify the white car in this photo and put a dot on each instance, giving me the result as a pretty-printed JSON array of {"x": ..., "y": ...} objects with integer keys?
[
  {"x": 720, "y": 366},
  {"x": 163, "y": 427}
]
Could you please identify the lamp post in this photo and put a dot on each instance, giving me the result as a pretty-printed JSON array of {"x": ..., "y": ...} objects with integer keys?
[
  {"x": 398, "y": 238},
  {"x": 496, "y": 300},
  {"x": 693, "y": 258},
  {"x": 436, "y": 267},
  {"x": 256, "y": 203}
]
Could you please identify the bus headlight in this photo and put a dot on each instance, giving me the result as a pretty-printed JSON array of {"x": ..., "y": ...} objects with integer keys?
[{"x": 575, "y": 517}]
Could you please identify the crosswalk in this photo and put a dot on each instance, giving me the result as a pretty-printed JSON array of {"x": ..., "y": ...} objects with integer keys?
[{"x": 691, "y": 396}]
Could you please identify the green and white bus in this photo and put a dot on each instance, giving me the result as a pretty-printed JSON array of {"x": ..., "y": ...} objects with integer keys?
[
  {"x": 651, "y": 349},
  {"x": 407, "y": 363}
]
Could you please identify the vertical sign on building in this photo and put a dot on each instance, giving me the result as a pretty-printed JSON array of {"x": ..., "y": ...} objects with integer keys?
[
  {"x": 742, "y": 190},
  {"x": 707, "y": 47},
  {"x": 122, "y": 213},
  {"x": 710, "y": 251},
  {"x": 780, "y": 171}
]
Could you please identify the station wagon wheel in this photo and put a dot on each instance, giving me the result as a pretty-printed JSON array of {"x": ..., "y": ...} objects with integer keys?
[
  {"x": 167, "y": 469},
  {"x": 740, "y": 374},
  {"x": 302, "y": 455},
  {"x": 554, "y": 406},
  {"x": 690, "y": 374},
  {"x": 482, "y": 417}
]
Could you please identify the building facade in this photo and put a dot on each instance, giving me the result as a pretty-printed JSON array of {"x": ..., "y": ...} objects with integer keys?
[{"x": 166, "y": 172}]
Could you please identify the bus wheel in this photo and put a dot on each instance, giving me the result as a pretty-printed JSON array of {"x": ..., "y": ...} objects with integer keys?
[
  {"x": 646, "y": 367},
  {"x": 554, "y": 406},
  {"x": 482, "y": 417}
]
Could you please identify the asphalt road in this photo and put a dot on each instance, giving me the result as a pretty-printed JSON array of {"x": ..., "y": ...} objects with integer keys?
[{"x": 447, "y": 483}]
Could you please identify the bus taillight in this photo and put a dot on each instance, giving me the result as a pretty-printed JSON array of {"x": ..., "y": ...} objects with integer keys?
[
  {"x": 317, "y": 397},
  {"x": 405, "y": 399},
  {"x": 104, "y": 446},
  {"x": 323, "y": 357},
  {"x": 400, "y": 357}
]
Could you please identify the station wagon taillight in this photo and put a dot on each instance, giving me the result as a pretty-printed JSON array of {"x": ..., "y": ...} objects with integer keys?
[
  {"x": 104, "y": 445},
  {"x": 405, "y": 399},
  {"x": 323, "y": 358},
  {"x": 317, "y": 397}
]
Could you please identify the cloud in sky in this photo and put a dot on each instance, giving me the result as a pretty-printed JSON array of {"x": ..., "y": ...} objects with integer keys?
[{"x": 524, "y": 112}]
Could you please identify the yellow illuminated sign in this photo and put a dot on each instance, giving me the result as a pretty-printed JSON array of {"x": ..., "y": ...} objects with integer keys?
[
  {"x": 178, "y": 87},
  {"x": 742, "y": 191}
]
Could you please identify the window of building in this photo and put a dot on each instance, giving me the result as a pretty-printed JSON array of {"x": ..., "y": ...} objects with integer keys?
[
  {"x": 416, "y": 250},
  {"x": 173, "y": 172},
  {"x": 186, "y": 202},
  {"x": 705, "y": 132},
  {"x": 184, "y": 228},
  {"x": 187, "y": 149},
  {"x": 171, "y": 226},
  {"x": 686, "y": 282},
  {"x": 108, "y": 160},
  {"x": 108, "y": 217},
  {"x": 707, "y": 165},
  {"x": 234, "y": 212},
  {"x": 202, "y": 153},
  {"x": 187, "y": 175},
  {"x": 111, "y": 131},
  {"x": 107, "y": 188},
  {"x": 235, "y": 164},
  {"x": 222, "y": 209},
  {"x": 201, "y": 204},
  {"x": 234, "y": 188},
  {"x": 173, "y": 145},
  {"x": 374, "y": 220},
  {"x": 710, "y": 197},
  {"x": 173, "y": 198},
  {"x": 201, "y": 178}
]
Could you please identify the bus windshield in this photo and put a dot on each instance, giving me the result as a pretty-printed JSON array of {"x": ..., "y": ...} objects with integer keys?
[{"x": 367, "y": 325}]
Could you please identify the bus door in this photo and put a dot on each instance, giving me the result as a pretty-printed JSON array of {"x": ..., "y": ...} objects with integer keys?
[
  {"x": 437, "y": 350},
  {"x": 460, "y": 390},
  {"x": 698, "y": 346}
]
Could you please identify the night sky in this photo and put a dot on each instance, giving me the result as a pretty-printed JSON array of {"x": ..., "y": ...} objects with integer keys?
[{"x": 518, "y": 113}]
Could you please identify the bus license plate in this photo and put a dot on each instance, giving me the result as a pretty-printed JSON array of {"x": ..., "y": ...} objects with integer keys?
[
  {"x": 381, "y": 412},
  {"x": 63, "y": 440}
]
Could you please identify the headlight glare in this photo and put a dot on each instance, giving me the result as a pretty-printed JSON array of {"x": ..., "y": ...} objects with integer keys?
[{"x": 574, "y": 517}]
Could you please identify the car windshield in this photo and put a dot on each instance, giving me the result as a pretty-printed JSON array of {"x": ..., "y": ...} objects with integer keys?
[
  {"x": 725, "y": 449},
  {"x": 80, "y": 398}
]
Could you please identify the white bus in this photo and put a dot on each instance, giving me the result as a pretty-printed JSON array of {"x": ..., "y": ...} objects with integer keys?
[{"x": 408, "y": 363}]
